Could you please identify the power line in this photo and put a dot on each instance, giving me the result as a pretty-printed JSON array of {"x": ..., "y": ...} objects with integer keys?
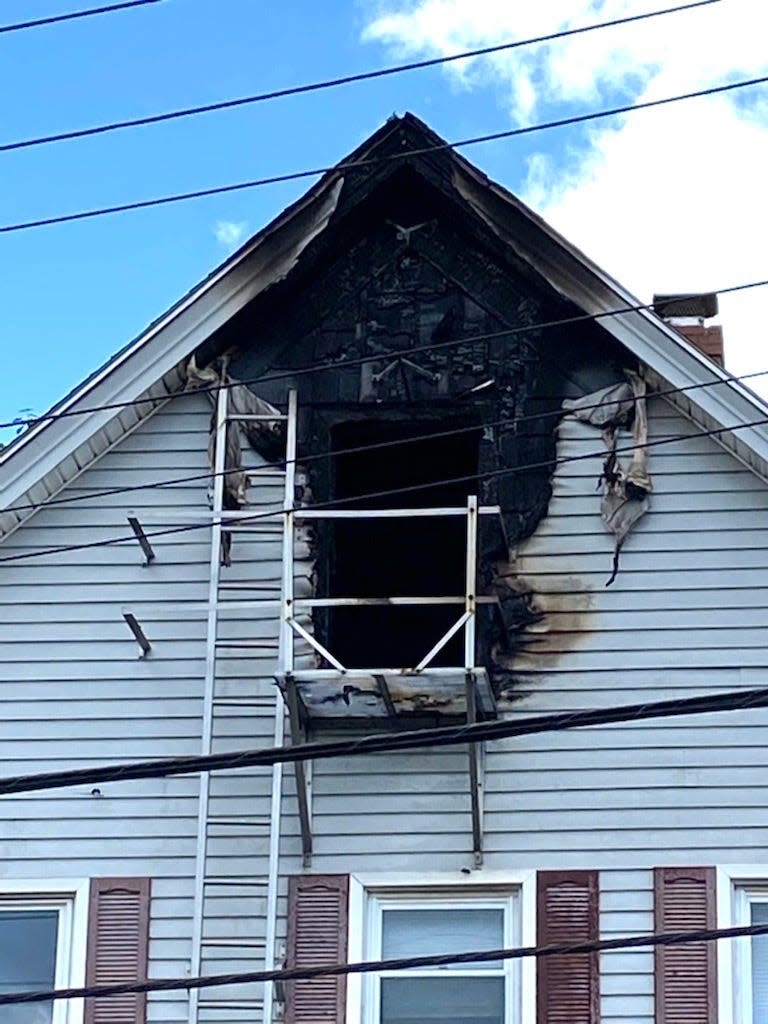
[
  {"x": 330, "y": 83},
  {"x": 359, "y": 449},
  {"x": 352, "y": 165},
  {"x": 228, "y": 520},
  {"x": 399, "y": 964},
  {"x": 420, "y": 739},
  {"x": 340, "y": 364},
  {"x": 72, "y": 15}
]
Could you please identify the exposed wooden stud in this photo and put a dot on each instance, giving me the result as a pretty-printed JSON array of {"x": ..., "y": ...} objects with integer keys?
[
  {"x": 476, "y": 758},
  {"x": 138, "y": 633},
  {"x": 141, "y": 537},
  {"x": 386, "y": 696},
  {"x": 302, "y": 778}
]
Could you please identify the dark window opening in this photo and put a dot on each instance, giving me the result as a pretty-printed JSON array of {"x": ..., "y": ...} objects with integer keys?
[{"x": 399, "y": 557}]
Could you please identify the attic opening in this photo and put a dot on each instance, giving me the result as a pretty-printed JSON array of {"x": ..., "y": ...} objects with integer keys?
[{"x": 399, "y": 557}]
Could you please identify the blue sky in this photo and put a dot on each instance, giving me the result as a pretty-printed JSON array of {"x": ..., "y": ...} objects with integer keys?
[{"x": 72, "y": 295}]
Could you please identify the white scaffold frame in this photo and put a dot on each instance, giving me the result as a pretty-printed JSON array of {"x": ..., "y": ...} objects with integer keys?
[{"x": 467, "y": 621}]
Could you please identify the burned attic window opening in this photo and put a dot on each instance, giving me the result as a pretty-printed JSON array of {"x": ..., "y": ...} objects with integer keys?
[{"x": 403, "y": 557}]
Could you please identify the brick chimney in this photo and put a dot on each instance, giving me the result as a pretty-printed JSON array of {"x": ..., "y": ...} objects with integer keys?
[{"x": 687, "y": 313}]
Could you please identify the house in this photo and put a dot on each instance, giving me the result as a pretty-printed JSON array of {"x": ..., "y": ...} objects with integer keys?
[{"x": 453, "y": 379}]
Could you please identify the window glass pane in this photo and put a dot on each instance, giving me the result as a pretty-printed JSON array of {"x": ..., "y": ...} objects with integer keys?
[
  {"x": 414, "y": 932},
  {"x": 759, "y": 966},
  {"x": 28, "y": 960},
  {"x": 456, "y": 1000}
]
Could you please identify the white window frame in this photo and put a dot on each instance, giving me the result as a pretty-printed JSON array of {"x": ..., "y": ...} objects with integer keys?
[
  {"x": 70, "y": 898},
  {"x": 514, "y": 892}
]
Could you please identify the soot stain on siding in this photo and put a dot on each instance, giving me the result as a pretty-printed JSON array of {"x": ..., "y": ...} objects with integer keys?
[{"x": 422, "y": 316}]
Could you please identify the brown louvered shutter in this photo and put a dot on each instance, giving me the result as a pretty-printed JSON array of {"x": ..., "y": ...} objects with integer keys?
[
  {"x": 118, "y": 940},
  {"x": 686, "y": 976},
  {"x": 567, "y": 910},
  {"x": 317, "y": 937}
]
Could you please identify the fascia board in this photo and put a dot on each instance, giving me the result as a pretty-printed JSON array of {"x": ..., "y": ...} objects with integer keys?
[
  {"x": 674, "y": 359},
  {"x": 132, "y": 376},
  {"x": 679, "y": 364},
  {"x": 666, "y": 353}
]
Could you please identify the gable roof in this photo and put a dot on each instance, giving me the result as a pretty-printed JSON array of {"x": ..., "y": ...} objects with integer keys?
[{"x": 141, "y": 376}]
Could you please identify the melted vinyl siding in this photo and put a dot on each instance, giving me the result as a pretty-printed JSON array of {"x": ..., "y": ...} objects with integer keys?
[
  {"x": 74, "y": 693},
  {"x": 687, "y": 614}
]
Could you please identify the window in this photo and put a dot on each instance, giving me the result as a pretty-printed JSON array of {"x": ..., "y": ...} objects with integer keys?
[
  {"x": 750, "y": 955},
  {"x": 41, "y": 946},
  {"x": 398, "y": 557},
  {"x": 420, "y": 925}
]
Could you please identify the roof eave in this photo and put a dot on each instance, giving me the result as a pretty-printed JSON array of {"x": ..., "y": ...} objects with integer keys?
[
  {"x": 672, "y": 361},
  {"x": 151, "y": 368}
]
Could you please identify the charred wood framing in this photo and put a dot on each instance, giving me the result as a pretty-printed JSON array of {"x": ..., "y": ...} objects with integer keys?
[{"x": 407, "y": 261}]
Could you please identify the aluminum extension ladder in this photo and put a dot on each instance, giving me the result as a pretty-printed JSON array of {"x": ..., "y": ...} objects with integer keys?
[{"x": 212, "y": 886}]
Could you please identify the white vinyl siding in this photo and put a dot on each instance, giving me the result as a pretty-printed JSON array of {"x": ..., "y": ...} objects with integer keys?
[
  {"x": 73, "y": 692},
  {"x": 687, "y": 614}
]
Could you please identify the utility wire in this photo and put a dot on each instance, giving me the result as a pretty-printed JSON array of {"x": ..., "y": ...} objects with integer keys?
[
  {"x": 420, "y": 739},
  {"x": 301, "y": 460},
  {"x": 73, "y": 15},
  {"x": 331, "y": 83},
  {"x": 340, "y": 364},
  {"x": 398, "y": 964},
  {"x": 143, "y": 204},
  {"x": 229, "y": 521}
]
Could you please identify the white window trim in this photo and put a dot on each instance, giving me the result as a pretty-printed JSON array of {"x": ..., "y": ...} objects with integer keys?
[
  {"x": 735, "y": 884},
  {"x": 493, "y": 886},
  {"x": 71, "y": 897}
]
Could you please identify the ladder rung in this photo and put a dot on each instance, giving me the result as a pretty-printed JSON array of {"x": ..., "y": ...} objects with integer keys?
[
  {"x": 239, "y": 822},
  {"x": 244, "y": 702},
  {"x": 229, "y": 1004},
  {"x": 235, "y": 943},
  {"x": 257, "y": 527},
  {"x": 234, "y": 882},
  {"x": 252, "y": 417},
  {"x": 253, "y": 604},
  {"x": 250, "y": 528},
  {"x": 239, "y": 817},
  {"x": 259, "y": 645},
  {"x": 239, "y": 834},
  {"x": 231, "y": 516},
  {"x": 255, "y": 474},
  {"x": 236, "y": 585}
]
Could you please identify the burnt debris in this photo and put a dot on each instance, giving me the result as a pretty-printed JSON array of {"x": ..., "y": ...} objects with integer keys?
[{"x": 422, "y": 320}]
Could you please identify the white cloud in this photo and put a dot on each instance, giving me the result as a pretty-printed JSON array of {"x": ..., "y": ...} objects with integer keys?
[
  {"x": 229, "y": 234},
  {"x": 669, "y": 199},
  {"x": 664, "y": 213}
]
